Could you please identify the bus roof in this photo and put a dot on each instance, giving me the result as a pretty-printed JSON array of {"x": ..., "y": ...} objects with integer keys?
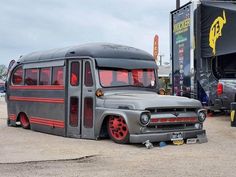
[{"x": 94, "y": 50}]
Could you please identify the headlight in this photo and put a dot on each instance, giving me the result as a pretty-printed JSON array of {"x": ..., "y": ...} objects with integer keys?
[
  {"x": 145, "y": 118},
  {"x": 201, "y": 115}
]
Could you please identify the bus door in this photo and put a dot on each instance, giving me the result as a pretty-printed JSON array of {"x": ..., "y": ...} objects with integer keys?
[
  {"x": 74, "y": 98},
  {"x": 88, "y": 100},
  {"x": 81, "y": 93}
]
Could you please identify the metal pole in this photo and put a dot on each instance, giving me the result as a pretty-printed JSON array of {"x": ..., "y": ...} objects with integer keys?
[{"x": 177, "y": 4}]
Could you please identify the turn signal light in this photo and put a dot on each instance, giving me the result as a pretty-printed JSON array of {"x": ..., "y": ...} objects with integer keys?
[{"x": 99, "y": 93}]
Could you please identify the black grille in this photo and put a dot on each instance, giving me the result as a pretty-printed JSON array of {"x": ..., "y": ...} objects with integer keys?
[{"x": 172, "y": 126}]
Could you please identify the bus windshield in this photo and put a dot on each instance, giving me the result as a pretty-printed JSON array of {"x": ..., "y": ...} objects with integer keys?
[{"x": 123, "y": 77}]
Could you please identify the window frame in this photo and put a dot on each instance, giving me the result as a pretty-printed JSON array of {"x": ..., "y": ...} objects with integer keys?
[{"x": 129, "y": 77}]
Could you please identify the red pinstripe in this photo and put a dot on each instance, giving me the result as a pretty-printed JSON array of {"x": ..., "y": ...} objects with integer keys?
[
  {"x": 36, "y": 99},
  {"x": 12, "y": 117},
  {"x": 37, "y": 87},
  {"x": 47, "y": 122},
  {"x": 179, "y": 119}
]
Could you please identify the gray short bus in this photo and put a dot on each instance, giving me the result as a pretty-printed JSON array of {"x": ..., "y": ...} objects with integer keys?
[{"x": 98, "y": 90}]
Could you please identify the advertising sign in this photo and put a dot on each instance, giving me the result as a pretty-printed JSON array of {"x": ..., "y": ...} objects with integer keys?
[
  {"x": 156, "y": 47},
  {"x": 218, "y": 29},
  {"x": 181, "y": 51}
]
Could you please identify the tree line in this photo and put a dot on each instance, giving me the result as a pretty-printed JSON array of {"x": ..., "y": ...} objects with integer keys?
[{"x": 3, "y": 72}]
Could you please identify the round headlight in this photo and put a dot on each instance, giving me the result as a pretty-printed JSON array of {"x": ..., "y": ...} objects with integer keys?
[
  {"x": 145, "y": 118},
  {"x": 201, "y": 116}
]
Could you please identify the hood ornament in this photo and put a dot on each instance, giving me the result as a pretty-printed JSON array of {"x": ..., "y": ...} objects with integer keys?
[{"x": 176, "y": 114}]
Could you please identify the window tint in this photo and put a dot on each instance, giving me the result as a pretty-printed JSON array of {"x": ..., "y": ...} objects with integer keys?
[
  {"x": 88, "y": 75},
  {"x": 31, "y": 76},
  {"x": 44, "y": 76},
  {"x": 17, "y": 78},
  {"x": 106, "y": 77},
  {"x": 88, "y": 112},
  {"x": 74, "y": 75},
  {"x": 73, "y": 111},
  {"x": 121, "y": 77},
  {"x": 57, "y": 76}
]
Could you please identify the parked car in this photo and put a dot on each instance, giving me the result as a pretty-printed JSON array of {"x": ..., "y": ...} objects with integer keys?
[
  {"x": 226, "y": 94},
  {"x": 2, "y": 90}
]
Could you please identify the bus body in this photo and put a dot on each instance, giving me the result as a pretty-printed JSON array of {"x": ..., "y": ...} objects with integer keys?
[{"x": 96, "y": 90}]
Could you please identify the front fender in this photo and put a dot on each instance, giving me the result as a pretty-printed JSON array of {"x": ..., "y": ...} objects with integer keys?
[{"x": 131, "y": 118}]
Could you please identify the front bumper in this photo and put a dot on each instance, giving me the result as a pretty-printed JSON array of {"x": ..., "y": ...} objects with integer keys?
[{"x": 157, "y": 137}]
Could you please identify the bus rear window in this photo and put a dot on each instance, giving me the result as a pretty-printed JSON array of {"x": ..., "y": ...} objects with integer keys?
[
  {"x": 31, "y": 76},
  {"x": 44, "y": 76},
  {"x": 17, "y": 78},
  {"x": 57, "y": 76}
]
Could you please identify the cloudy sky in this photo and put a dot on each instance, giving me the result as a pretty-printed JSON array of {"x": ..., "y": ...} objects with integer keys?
[{"x": 27, "y": 25}]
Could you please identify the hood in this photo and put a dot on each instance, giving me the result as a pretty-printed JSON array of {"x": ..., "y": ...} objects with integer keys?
[{"x": 144, "y": 99}]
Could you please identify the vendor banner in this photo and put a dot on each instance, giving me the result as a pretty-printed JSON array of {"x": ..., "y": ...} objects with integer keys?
[
  {"x": 181, "y": 51},
  {"x": 218, "y": 28}
]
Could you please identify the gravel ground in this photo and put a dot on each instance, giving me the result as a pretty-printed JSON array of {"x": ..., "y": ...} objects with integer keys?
[{"x": 29, "y": 153}]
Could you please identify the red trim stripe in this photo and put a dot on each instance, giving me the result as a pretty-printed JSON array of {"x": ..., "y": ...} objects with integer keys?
[
  {"x": 35, "y": 99},
  {"x": 178, "y": 119},
  {"x": 47, "y": 122},
  {"x": 37, "y": 87},
  {"x": 12, "y": 117}
]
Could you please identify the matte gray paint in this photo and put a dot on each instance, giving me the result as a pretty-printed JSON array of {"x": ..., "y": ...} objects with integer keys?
[{"x": 136, "y": 99}]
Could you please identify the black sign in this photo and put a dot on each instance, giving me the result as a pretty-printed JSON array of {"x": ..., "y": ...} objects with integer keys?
[
  {"x": 181, "y": 51},
  {"x": 218, "y": 28}
]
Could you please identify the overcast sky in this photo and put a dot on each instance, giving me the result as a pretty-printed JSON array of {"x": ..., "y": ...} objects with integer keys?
[{"x": 28, "y": 25}]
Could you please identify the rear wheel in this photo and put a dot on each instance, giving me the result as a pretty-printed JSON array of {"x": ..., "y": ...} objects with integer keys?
[
  {"x": 24, "y": 121},
  {"x": 118, "y": 129}
]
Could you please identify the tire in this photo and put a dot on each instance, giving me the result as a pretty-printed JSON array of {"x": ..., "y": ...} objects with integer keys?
[
  {"x": 118, "y": 129},
  {"x": 24, "y": 121}
]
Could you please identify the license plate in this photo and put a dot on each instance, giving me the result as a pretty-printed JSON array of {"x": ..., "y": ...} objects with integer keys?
[
  {"x": 176, "y": 136},
  {"x": 191, "y": 141}
]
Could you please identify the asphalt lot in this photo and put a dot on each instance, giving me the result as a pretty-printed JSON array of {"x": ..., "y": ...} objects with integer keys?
[{"x": 29, "y": 153}]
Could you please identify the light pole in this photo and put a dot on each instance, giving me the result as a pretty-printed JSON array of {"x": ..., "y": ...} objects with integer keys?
[{"x": 177, "y": 4}]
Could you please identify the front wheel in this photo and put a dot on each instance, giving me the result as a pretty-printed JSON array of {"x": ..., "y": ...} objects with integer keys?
[
  {"x": 118, "y": 129},
  {"x": 24, "y": 121}
]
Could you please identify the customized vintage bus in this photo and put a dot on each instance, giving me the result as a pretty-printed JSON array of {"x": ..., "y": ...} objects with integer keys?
[{"x": 98, "y": 90}]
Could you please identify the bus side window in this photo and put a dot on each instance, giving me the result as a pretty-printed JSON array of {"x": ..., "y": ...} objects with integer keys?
[
  {"x": 17, "y": 78},
  {"x": 57, "y": 76},
  {"x": 31, "y": 76},
  {"x": 45, "y": 74}
]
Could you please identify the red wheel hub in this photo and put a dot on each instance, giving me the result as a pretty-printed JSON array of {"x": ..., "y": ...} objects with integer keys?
[
  {"x": 24, "y": 121},
  {"x": 118, "y": 128}
]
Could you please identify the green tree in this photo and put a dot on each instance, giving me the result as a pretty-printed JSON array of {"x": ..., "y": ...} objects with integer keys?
[{"x": 3, "y": 72}]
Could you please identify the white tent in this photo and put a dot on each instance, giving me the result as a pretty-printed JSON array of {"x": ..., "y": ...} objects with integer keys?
[{"x": 1, "y": 81}]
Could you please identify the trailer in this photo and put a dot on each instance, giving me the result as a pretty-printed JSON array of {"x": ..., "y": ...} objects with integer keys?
[{"x": 203, "y": 48}]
